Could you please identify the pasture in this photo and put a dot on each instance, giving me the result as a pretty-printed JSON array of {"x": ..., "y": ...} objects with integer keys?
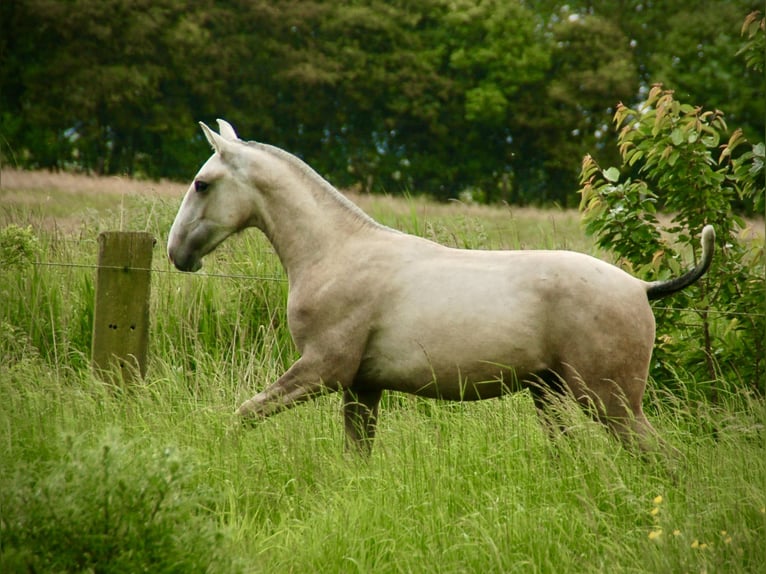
[{"x": 157, "y": 477}]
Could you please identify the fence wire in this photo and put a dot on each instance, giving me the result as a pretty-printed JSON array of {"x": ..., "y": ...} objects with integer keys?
[
  {"x": 282, "y": 279},
  {"x": 274, "y": 278}
]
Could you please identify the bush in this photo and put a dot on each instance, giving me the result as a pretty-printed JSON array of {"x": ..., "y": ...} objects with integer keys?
[
  {"x": 113, "y": 507},
  {"x": 714, "y": 330},
  {"x": 18, "y": 247}
]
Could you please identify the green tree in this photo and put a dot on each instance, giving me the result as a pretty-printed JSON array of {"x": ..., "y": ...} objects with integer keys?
[
  {"x": 494, "y": 50},
  {"x": 701, "y": 64},
  {"x": 688, "y": 45},
  {"x": 592, "y": 68},
  {"x": 434, "y": 96},
  {"x": 671, "y": 159},
  {"x": 361, "y": 79},
  {"x": 88, "y": 73}
]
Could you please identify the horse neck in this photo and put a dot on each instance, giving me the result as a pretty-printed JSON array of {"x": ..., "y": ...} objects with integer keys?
[{"x": 304, "y": 217}]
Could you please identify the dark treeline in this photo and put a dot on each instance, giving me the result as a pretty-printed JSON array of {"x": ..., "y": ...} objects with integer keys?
[{"x": 497, "y": 98}]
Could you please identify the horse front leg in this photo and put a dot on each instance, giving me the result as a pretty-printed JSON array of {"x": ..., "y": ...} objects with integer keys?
[
  {"x": 360, "y": 414},
  {"x": 301, "y": 382}
]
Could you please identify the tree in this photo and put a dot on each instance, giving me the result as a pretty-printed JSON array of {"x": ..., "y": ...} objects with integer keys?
[
  {"x": 701, "y": 64},
  {"x": 500, "y": 97},
  {"x": 494, "y": 50},
  {"x": 670, "y": 159},
  {"x": 592, "y": 68},
  {"x": 371, "y": 65},
  {"x": 688, "y": 45}
]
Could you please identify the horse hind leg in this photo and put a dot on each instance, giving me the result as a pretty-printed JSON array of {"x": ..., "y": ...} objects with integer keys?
[
  {"x": 619, "y": 408},
  {"x": 606, "y": 402},
  {"x": 558, "y": 401},
  {"x": 548, "y": 392},
  {"x": 360, "y": 415},
  {"x": 635, "y": 431}
]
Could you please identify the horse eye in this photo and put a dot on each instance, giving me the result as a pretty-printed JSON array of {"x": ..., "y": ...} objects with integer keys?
[{"x": 201, "y": 186}]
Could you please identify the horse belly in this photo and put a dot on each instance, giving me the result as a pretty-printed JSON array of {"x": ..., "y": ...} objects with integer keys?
[
  {"x": 455, "y": 349},
  {"x": 467, "y": 324}
]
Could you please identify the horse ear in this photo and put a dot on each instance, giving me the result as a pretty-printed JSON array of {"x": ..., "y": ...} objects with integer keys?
[
  {"x": 226, "y": 130},
  {"x": 217, "y": 142}
]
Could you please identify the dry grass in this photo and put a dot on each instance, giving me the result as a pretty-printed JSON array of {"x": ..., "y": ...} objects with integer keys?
[
  {"x": 64, "y": 200},
  {"x": 65, "y": 194},
  {"x": 14, "y": 181}
]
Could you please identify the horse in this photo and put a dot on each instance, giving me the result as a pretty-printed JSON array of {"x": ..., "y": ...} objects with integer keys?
[{"x": 371, "y": 308}]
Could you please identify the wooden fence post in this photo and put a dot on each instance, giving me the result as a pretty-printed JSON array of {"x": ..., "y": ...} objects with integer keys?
[{"x": 121, "y": 315}]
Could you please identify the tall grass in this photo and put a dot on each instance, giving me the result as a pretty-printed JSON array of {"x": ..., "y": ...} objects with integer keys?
[{"x": 157, "y": 477}]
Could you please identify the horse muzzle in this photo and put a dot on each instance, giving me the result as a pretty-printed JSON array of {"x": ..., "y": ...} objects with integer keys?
[{"x": 186, "y": 262}]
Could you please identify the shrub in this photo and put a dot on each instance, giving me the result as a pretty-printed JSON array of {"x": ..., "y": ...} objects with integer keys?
[
  {"x": 113, "y": 507},
  {"x": 18, "y": 247},
  {"x": 671, "y": 160}
]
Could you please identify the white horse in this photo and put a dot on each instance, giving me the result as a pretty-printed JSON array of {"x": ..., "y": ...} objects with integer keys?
[{"x": 371, "y": 308}]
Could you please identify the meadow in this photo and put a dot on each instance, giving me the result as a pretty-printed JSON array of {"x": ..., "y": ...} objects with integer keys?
[{"x": 157, "y": 477}]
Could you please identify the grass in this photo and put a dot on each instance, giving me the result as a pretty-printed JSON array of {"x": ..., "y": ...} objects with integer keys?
[{"x": 156, "y": 477}]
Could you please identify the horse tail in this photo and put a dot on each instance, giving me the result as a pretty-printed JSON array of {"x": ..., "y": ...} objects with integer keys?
[{"x": 658, "y": 289}]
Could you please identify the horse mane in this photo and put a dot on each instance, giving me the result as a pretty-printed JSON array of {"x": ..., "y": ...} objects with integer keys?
[{"x": 329, "y": 191}]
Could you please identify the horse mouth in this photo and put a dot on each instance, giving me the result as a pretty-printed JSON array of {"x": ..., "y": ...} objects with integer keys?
[
  {"x": 189, "y": 264},
  {"x": 196, "y": 265}
]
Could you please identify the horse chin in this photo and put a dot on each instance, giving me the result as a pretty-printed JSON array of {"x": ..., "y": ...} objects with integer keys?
[
  {"x": 193, "y": 265},
  {"x": 189, "y": 264}
]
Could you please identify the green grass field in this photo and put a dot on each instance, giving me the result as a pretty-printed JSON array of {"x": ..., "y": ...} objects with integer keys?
[{"x": 158, "y": 478}]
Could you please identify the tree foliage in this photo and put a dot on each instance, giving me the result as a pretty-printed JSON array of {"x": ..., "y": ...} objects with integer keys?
[
  {"x": 674, "y": 156},
  {"x": 498, "y": 96}
]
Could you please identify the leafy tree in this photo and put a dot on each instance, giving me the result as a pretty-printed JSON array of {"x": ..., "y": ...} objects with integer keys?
[
  {"x": 436, "y": 96},
  {"x": 93, "y": 71},
  {"x": 670, "y": 159},
  {"x": 754, "y": 49},
  {"x": 688, "y": 45},
  {"x": 494, "y": 50},
  {"x": 700, "y": 63},
  {"x": 592, "y": 68},
  {"x": 378, "y": 78}
]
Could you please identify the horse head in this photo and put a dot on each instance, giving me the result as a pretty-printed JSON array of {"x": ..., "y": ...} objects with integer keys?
[{"x": 217, "y": 203}]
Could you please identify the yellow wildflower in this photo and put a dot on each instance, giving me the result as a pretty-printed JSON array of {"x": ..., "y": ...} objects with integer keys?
[
  {"x": 676, "y": 532},
  {"x": 655, "y": 511},
  {"x": 655, "y": 534},
  {"x": 657, "y": 499}
]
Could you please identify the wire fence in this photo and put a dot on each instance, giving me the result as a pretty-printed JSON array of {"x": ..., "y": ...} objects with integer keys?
[
  {"x": 278, "y": 279},
  {"x": 283, "y": 279}
]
